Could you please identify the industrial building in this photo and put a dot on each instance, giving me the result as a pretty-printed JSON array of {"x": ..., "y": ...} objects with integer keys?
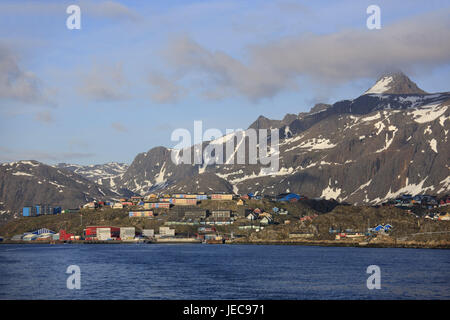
[
  {"x": 127, "y": 233},
  {"x": 101, "y": 233},
  {"x": 166, "y": 232}
]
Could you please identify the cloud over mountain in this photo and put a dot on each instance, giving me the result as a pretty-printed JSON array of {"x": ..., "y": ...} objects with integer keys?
[
  {"x": 104, "y": 83},
  {"x": 416, "y": 43},
  {"x": 16, "y": 83}
]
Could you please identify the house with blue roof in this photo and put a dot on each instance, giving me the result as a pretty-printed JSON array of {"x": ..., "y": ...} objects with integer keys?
[{"x": 288, "y": 197}]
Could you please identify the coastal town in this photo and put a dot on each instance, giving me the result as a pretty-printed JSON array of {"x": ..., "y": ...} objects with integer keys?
[{"x": 229, "y": 218}]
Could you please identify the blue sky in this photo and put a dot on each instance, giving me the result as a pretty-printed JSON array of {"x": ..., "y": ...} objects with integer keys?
[{"x": 137, "y": 70}]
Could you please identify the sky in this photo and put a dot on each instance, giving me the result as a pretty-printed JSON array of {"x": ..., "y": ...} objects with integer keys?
[{"x": 138, "y": 70}]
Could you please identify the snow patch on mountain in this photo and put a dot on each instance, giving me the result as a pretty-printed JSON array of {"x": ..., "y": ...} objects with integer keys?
[
  {"x": 314, "y": 144},
  {"x": 428, "y": 113},
  {"x": 330, "y": 193},
  {"x": 381, "y": 86},
  {"x": 433, "y": 145}
]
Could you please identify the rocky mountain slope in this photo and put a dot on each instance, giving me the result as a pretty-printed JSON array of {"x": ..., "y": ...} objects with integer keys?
[
  {"x": 395, "y": 83},
  {"x": 393, "y": 139},
  {"x": 96, "y": 172},
  {"x": 30, "y": 182}
]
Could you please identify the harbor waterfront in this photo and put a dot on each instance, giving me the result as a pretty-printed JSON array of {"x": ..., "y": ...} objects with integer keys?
[{"x": 187, "y": 271}]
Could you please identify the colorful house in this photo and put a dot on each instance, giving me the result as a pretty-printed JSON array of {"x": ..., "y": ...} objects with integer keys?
[{"x": 288, "y": 197}]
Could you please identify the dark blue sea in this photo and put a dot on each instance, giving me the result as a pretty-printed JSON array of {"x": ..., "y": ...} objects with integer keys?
[{"x": 151, "y": 271}]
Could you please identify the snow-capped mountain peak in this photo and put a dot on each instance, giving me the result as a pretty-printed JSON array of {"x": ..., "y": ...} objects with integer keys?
[{"x": 394, "y": 83}]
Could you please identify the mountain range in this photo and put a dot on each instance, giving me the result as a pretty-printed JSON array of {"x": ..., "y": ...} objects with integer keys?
[{"x": 392, "y": 139}]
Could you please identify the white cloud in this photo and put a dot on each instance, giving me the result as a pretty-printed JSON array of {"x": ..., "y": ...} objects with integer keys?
[
  {"x": 332, "y": 59},
  {"x": 8, "y": 154},
  {"x": 119, "y": 127},
  {"x": 44, "y": 116},
  {"x": 17, "y": 84},
  {"x": 164, "y": 90},
  {"x": 104, "y": 83},
  {"x": 99, "y": 9}
]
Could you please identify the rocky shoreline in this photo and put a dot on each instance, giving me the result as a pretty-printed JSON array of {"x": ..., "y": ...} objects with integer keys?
[
  {"x": 319, "y": 243},
  {"x": 331, "y": 243}
]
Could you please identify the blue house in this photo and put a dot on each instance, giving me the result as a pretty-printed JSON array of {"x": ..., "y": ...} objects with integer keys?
[
  {"x": 27, "y": 211},
  {"x": 288, "y": 197}
]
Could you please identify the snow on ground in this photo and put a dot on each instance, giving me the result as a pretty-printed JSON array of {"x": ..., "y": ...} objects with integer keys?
[
  {"x": 287, "y": 131},
  {"x": 428, "y": 113},
  {"x": 381, "y": 86},
  {"x": 433, "y": 145},
  {"x": 363, "y": 186},
  {"x": 330, "y": 193},
  {"x": 412, "y": 189},
  {"x": 371, "y": 118},
  {"x": 29, "y": 163},
  {"x": 445, "y": 185},
  {"x": 314, "y": 144},
  {"x": 264, "y": 172},
  {"x": 19, "y": 173},
  {"x": 159, "y": 178},
  {"x": 380, "y": 126},
  {"x": 388, "y": 141},
  {"x": 56, "y": 184}
]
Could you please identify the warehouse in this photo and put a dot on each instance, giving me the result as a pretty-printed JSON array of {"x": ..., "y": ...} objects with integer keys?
[
  {"x": 91, "y": 232},
  {"x": 127, "y": 233},
  {"x": 104, "y": 234},
  {"x": 166, "y": 232},
  {"x": 149, "y": 233}
]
